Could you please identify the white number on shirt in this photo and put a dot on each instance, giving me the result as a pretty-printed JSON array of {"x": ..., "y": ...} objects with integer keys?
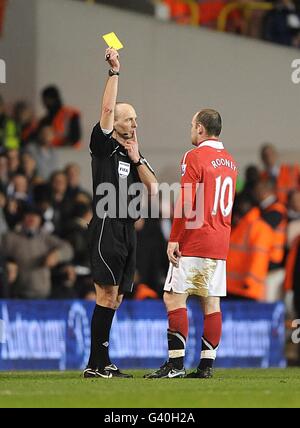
[{"x": 220, "y": 198}]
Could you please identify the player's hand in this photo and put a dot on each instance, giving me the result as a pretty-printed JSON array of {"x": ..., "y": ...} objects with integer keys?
[
  {"x": 132, "y": 147},
  {"x": 173, "y": 253},
  {"x": 112, "y": 57}
]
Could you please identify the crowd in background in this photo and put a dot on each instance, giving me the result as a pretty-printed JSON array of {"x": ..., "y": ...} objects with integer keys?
[
  {"x": 44, "y": 212},
  {"x": 277, "y": 21}
]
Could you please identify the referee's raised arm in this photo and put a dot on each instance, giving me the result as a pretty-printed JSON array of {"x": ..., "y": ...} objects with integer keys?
[{"x": 111, "y": 90}]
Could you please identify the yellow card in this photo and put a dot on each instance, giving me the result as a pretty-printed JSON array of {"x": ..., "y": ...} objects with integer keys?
[{"x": 112, "y": 41}]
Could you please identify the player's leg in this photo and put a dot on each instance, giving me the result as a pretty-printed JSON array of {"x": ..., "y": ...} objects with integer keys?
[
  {"x": 177, "y": 328},
  {"x": 108, "y": 301},
  {"x": 106, "y": 305},
  {"x": 107, "y": 269},
  {"x": 216, "y": 282},
  {"x": 211, "y": 336},
  {"x": 125, "y": 237},
  {"x": 175, "y": 299}
]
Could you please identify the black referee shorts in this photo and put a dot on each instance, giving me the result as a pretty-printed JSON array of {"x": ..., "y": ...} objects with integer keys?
[{"x": 112, "y": 244}]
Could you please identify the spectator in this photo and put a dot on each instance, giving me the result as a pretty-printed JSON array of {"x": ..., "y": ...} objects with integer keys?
[
  {"x": 274, "y": 213},
  {"x": 150, "y": 240},
  {"x": 4, "y": 286},
  {"x": 18, "y": 188},
  {"x": 252, "y": 176},
  {"x": 24, "y": 118},
  {"x": 9, "y": 138},
  {"x": 64, "y": 120},
  {"x": 251, "y": 243},
  {"x": 292, "y": 279},
  {"x": 3, "y": 224},
  {"x": 76, "y": 235},
  {"x": 13, "y": 162},
  {"x": 17, "y": 198},
  {"x": 28, "y": 166},
  {"x": 293, "y": 229},
  {"x": 42, "y": 200},
  {"x": 3, "y": 172},
  {"x": 35, "y": 254},
  {"x": 282, "y": 24},
  {"x": 72, "y": 171},
  {"x": 286, "y": 177},
  {"x": 43, "y": 152},
  {"x": 60, "y": 201}
]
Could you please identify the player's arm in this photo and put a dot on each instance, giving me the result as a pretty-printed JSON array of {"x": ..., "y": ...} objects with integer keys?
[
  {"x": 145, "y": 172},
  {"x": 111, "y": 91},
  {"x": 183, "y": 211}
]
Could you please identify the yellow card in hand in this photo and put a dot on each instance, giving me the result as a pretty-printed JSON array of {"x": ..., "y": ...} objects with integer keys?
[{"x": 112, "y": 41}]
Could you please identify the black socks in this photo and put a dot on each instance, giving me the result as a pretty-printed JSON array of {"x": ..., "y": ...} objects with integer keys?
[{"x": 100, "y": 329}]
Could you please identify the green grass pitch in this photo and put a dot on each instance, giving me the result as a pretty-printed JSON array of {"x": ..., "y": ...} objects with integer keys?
[{"x": 228, "y": 388}]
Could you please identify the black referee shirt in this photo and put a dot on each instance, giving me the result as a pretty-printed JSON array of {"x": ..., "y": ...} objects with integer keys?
[{"x": 111, "y": 164}]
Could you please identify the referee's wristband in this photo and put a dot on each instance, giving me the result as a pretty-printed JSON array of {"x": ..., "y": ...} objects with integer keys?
[
  {"x": 112, "y": 72},
  {"x": 139, "y": 162}
]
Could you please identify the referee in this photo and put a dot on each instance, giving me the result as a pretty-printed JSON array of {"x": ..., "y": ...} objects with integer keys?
[{"x": 118, "y": 164}]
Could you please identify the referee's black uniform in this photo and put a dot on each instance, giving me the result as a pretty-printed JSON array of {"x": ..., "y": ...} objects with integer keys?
[{"x": 112, "y": 240}]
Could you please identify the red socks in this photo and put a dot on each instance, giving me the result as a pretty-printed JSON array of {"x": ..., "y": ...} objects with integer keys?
[
  {"x": 178, "y": 321},
  {"x": 177, "y": 334},
  {"x": 210, "y": 339}
]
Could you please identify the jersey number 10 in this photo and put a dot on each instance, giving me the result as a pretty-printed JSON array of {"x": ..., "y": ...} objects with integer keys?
[{"x": 220, "y": 193}]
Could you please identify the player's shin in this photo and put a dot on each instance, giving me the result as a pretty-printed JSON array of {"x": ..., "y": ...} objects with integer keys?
[
  {"x": 210, "y": 339},
  {"x": 100, "y": 330},
  {"x": 177, "y": 334}
]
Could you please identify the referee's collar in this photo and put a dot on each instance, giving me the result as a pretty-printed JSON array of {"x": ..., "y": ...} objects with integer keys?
[{"x": 212, "y": 143}]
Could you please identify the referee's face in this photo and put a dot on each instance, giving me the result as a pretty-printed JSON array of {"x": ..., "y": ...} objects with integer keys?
[{"x": 125, "y": 121}]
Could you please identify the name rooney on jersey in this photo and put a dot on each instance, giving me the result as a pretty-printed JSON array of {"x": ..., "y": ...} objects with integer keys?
[{"x": 217, "y": 163}]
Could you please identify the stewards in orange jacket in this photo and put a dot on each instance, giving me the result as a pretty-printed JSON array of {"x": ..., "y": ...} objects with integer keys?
[
  {"x": 179, "y": 11},
  {"x": 286, "y": 177},
  {"x": 65, "y": 121},
  {"x": 292, "y": 269},
  {"x": 249, "y": 256},
  {"x": 275, "y": 214}
]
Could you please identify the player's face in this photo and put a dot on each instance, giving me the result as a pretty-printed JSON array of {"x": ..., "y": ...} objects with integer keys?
[
  {"x": 126, "y": 121},
  {"x": 194, "y": 131}
]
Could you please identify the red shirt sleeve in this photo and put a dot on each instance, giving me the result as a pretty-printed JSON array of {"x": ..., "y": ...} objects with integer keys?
[{"x": 190, "y": 177}]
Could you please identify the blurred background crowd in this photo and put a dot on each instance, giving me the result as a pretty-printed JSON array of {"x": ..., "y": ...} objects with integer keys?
[
  {"x": 44, "y": 212},
  {"x": 277, "y": 21},
  {"x": 45, "y": 208}
]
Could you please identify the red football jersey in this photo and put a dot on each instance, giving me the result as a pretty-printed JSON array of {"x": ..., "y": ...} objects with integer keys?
[{"x": 208, "y": 185}]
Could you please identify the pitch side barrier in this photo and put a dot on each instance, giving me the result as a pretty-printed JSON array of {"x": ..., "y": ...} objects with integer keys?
[{"x": 55, "y": 335}]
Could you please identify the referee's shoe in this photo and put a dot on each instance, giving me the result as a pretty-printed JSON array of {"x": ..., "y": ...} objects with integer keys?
[{"x": 106, "y": 373}]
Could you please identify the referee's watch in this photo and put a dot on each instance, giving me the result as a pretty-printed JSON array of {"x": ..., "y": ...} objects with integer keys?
[
  {"x": 112, "y": 72},
  {"x": 141, "y": 161}
]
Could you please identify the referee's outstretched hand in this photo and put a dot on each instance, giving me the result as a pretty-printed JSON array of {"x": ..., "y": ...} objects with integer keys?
[{"x": 112, "y": 57}]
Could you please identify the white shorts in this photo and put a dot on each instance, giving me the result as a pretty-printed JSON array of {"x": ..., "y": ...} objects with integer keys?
[{"x": 200, "y": 276}]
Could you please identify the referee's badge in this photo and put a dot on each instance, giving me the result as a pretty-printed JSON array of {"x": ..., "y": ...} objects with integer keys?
[
  {"x": 124, "y": 169},
  {"x": 183, "y": 168}
]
